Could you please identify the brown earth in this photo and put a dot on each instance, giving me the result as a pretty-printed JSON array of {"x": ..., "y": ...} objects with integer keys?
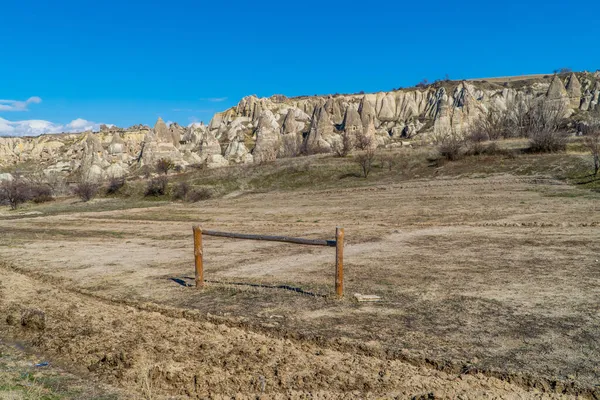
[{"x": 490, "y": 289}]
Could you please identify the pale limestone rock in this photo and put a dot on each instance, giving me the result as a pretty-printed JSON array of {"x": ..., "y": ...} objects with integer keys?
[
  {"x": 267, "y": 138},
  {"x": 587, "y": 101},
  {"x": 352, "y": 123},
  {"x": 175, "y": 132},
  {"x": 387, "y": 112},
  {"x": 6, "y": 177},
  {"x": 574, "y": 91},
  {"x": 117, "y": 145},
  {"x": 557, "y": 90},
  {"x": 216, "y": 161},
  {"x": 209, "y": 145},
  {"x": 366, "y": 111},
  {"x": 237, "y": 152},
  {"x": 116, "y": 171},
  {"x": 94, "y": 173},
  {"x": 161, "y": 131},
  {"x": 320, "y": 137}
]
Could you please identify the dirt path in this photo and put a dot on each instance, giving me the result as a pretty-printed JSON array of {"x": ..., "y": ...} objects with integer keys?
[{"x": 158, "y": 356}]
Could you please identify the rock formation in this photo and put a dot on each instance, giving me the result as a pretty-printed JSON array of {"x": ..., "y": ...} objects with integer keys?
[{"x": 263, "y": 129}]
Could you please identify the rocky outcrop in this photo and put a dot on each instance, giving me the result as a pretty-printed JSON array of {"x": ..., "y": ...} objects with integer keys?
[
  {"x": 263, "y": 129},
  {"x": 267, "y": 138},
  {"x": 574, "y": 91}
]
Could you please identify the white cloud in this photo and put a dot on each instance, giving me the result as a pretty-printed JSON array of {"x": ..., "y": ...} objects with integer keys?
[
  {"x": 16, "y": 105},
  {"x": 34, "y": 127}
]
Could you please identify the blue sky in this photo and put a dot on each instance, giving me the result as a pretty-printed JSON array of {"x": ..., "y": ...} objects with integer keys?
[{"x": 127, "y": 62}]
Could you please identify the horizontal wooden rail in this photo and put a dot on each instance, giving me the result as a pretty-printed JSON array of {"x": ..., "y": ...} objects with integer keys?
[
  {"x": 338, "y": 243},
  {"x": 287, "y": 239}
]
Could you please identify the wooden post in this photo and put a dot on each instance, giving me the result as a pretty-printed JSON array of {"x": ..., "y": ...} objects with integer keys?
[
  {"x": 198, "y": 256},
  {"x": 339, "y": 262}
]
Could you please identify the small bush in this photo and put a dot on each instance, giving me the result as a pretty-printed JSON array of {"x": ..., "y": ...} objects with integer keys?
[
  {"x": 365, "y": 160},
  {"x": 389, "y": 160},
  {"x": 199, "y": 195},
  {"x": 15, "y": 192},
  {"x": 41, "y": 193},
  {"x": 592, "y": 143},
  {"x": 181, "y": 191},
  {"x": 547, "y": 141},
  {"x": 157, "y": 186},
  {"x": 452, "y": 148},
  {"x": 363, "y": 141},
  {"x": 164, "y": 165},
  {"x": 115, "y": 185},
  {"x": 86, "y": 190},
  {"x": 145, "y": 171}
]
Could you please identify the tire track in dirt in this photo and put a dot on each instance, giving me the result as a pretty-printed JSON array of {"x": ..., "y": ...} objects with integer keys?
[{"x": 165, "y": 351}]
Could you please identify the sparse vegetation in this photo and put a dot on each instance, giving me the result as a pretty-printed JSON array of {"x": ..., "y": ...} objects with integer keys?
[
  {"x": 547, "y": 141},
  {"x": 451, "y": 147},
  {"x": 199, "y": 195},
  {"x": 164, "y": 165},
  {"x": 115, "y": 185},
  {"x": 15, "y": 192},
  {"x": 86, "y": 189},
  {"x": 592, "y": 143},
  {"x": 181, "y": 191},
  {"x": 157, "y": 186}
]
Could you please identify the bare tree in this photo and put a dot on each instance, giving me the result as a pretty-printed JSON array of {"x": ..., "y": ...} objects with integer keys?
[
  {"x": 545, "y": 121},
  {"x": 15, "y": 192},
  {"x": 592, "y": 143},
  {"x": 85, "y": 188},
  {"x": 363, "y": 141},
  {"x": 494, "y": 124},
  {"x": 164, "y": 165},
  {"x": 365, "y": 160},
  {"x": 343, "y": 147}
]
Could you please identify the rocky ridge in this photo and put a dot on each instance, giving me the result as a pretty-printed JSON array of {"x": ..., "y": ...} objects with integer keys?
[{"x": 260, "y": 130}]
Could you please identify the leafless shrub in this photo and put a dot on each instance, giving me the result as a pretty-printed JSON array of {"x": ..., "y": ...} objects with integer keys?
[
  {"x": 15, "y": 192},
  {"x": 547, "y": 141},
  {"x": 389, "y": 160},
  {"x": 343, "y": 147},
  {"x": 521, "y": 119},
  {"x": 164, "y": 165},
  {"x": 181, "y": 191},
  {"x": 115, "y": 185},
  {"x": 157, "y": 186},
  {"x": 86, "y": 189},
  {"x": 41, "y": 193},
  {"x": 363, "y": 141},
  {"x": 545, "y": 115},
  {"x": 451, "y": 147},
  {"x": 365, "y": 159},
  {"x": 592, "y": 143},
  {"x": 199, "y": 195},
  {"x": 491, "y": 125}
]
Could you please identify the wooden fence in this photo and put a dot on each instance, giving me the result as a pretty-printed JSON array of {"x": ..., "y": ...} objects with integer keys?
[{"x": 338, "y": 243}]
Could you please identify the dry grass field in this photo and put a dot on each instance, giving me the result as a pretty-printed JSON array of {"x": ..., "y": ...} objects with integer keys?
[{"x": 489, "y": 278}]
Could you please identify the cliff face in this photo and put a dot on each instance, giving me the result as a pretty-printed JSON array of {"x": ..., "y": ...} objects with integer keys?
[{"x": 263, "y": 129}]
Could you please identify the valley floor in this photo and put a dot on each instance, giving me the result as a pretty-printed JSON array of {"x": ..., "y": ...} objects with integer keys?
[{"x": 490, "y": 289}]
